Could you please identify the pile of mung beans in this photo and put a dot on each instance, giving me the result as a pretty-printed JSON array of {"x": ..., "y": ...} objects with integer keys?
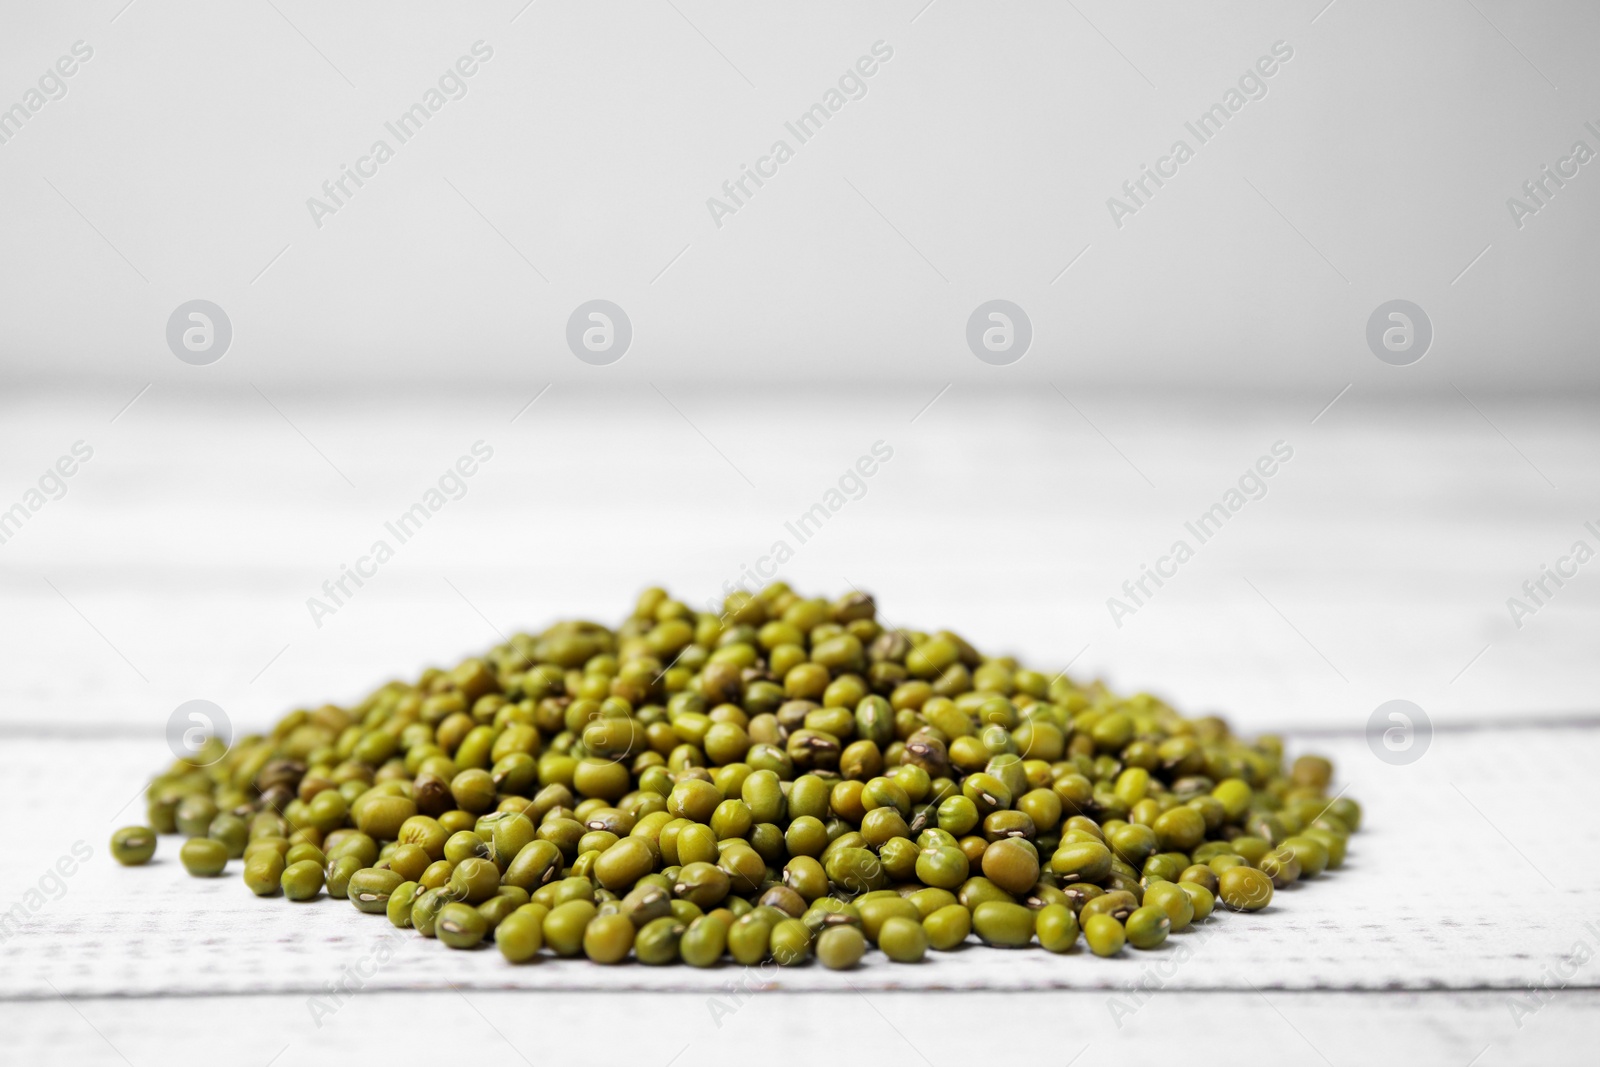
[{"x": 788, "y": 779}]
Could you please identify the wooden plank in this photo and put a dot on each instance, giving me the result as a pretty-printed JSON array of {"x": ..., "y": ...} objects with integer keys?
[
  {"x": 1449, "y": 851},
  {"x": 1448, "y": 1029},
  {"x": 1378, "y": 565}
]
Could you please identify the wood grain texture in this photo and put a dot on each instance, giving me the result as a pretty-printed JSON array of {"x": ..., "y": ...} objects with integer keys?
[
  {"x": 1421, "y": 903},
  {"x": 1377, "y": 565},
  {"x": 1061, "y": 1029}
]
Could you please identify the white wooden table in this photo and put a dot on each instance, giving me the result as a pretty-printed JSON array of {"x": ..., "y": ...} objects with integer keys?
[{"x": 1377, "y": 566}]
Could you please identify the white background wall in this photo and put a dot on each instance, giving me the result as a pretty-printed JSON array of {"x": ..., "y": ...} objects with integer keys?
[{"x": 977, "y": 165}]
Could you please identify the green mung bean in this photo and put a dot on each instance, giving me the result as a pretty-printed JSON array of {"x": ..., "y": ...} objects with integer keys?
[
  {"x": 132, "y": 846},
  {"x": 203, "y": 857}
]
